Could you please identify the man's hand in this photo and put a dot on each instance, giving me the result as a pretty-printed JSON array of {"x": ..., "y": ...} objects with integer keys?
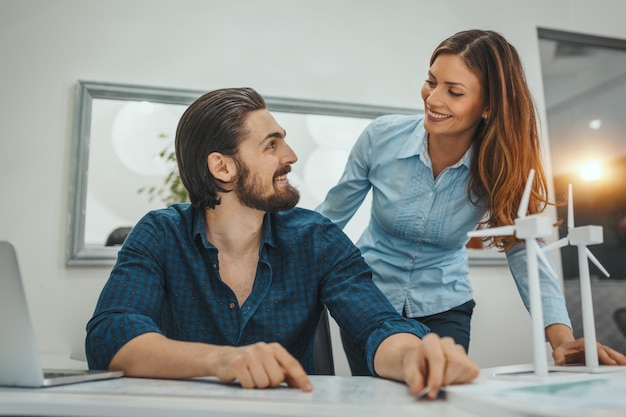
[
  {"x": 574, "y": 352},
  {"x": 431, "y": 362},
  {"x": 261, "y": 365},
  {"x": 435, "y": 363}
]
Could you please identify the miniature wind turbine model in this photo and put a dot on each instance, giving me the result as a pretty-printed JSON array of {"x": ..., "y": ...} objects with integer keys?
[
  {"x": 581, "y": 237},
  {"x": 530, "y": 228}
]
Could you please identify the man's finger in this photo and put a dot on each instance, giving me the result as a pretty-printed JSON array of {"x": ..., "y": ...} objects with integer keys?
[
  {"x": 245, "y": 379},
  {"x": 294, "y": 373},
  {"x": 459, "y": 368},
  {"x": 268, "y": 372},
  {"x": 435, "y": 363},
  {"x": 415, "y": 371}
]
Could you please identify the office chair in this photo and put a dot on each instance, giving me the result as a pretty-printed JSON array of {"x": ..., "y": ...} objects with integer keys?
[
  {"x": 322, "y": 348},
  {"x": 619, "y": 316}
]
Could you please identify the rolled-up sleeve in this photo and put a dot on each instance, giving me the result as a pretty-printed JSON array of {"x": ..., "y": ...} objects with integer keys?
[
  {"x": 355, "y": 302},
  {"x": 345, "y": 198},
  {"x": 131, "y": 301},
  {"x": 552, "y": 300}
]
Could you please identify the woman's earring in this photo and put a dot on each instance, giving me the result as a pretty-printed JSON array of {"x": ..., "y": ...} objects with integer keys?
[{"x": 485, "y": 117}]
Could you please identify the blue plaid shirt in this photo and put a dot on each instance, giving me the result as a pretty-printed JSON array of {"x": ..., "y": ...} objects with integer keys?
[{"x": 167, "y": 280}]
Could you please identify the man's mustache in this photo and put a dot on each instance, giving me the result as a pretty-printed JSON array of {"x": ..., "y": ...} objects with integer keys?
[{"x": 283, "y": 171}]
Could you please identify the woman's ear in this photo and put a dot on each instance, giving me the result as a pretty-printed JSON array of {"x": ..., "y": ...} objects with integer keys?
[{"x": 221, "y": 166}]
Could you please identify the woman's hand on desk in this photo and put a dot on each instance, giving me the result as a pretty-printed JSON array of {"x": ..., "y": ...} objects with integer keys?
[{"x": 574, "y": 352}]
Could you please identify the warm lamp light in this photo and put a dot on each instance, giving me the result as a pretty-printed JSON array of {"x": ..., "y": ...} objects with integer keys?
[{"x": 590, "y": 171}]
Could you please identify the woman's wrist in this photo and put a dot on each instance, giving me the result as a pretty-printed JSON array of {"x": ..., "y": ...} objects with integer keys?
[{"x": 559, "y": 333}]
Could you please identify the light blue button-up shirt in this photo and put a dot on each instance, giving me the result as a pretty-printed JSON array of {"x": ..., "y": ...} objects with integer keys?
[{"x": 416, "y": 236}]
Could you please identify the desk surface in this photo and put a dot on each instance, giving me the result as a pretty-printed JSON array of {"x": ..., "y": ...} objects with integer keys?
[
  {"x": 332, "y": 396},
  {"x": 517, "y": 391},
  {"x": 495, "y": 393}
]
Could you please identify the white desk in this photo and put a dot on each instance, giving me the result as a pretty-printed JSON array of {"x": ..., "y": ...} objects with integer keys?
[
  {"x": 498, "y": 392},
  {"x": 523, "y": 395},
  {"x": 129, "y": 397}
]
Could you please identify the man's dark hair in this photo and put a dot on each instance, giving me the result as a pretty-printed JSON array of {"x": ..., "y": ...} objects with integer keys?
[{"x": 212, "y": 123}]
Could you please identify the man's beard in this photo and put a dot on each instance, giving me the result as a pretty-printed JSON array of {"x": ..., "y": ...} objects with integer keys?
[{"x": 248, "y": 186}]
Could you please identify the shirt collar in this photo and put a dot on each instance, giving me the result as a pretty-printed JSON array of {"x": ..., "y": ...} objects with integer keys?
[
  {"x": 268, "y": 235},
  {"x": 417, "y": 145},
  {"x": 467, "y": 157},
  {"x": 199, "y": 228},
  {"x": 414, "y": 145}
]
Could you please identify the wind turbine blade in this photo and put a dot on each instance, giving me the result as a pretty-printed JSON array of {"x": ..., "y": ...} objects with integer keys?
[
  {"x": 540, "y": 254},
  {"x": 597, "y": 262},
  {"x": 523, "y": 206},
  {"x": 570, "y": 209},
  {"x": 555, "y": 245},
  {"x": 493, "y": 231}
]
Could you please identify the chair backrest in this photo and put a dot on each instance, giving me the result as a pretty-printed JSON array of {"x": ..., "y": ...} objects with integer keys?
[
  {"x": 117, "y": 236},
  {"x": 322, "y": 348},
  {"x": 619, "y": 316}
]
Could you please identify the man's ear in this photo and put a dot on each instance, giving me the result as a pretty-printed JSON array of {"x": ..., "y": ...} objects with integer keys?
[{"x": 221, "y": 166}]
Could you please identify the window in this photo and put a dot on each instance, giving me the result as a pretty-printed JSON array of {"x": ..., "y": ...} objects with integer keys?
[{"x": 585, "y": 91}]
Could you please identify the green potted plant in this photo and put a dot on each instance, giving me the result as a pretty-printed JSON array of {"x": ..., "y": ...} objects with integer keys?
[{"x": 172, "y": 191}]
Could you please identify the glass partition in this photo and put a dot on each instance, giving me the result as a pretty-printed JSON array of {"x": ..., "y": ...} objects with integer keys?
[{"x": 585, "y": 90}]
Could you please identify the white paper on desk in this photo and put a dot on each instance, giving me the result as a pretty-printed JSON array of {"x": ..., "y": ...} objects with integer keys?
[
  {"x": 333, "y": 389},
  {"x": 575, "y": 393},
  {"x": 606, "y": 394}
]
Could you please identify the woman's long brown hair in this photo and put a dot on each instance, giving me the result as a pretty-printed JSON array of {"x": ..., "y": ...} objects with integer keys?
[{"x": 506, "y": 146}]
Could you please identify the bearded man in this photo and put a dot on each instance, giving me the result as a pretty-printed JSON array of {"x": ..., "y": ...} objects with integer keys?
[{"x": 233, "y": 284}]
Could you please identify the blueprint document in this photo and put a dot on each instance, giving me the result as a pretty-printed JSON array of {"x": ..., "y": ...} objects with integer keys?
[{"x": 558, "y": 394}]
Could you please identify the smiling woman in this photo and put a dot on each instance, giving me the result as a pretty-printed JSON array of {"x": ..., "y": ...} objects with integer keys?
[{"x": 123, "y": 138}]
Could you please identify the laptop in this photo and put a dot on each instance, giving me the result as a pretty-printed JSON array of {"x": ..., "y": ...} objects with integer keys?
[{"x": 20, "y": 364}]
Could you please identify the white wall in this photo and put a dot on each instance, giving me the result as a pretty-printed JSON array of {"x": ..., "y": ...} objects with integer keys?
[{"x": 373, "y": 52}]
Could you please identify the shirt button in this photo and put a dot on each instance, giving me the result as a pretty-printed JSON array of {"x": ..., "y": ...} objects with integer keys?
[
  {"x": 430, "y": 194},
  {"x": 214, "y": 266},
  {"x": 231, "y": 305},
  {"x": 410, "y": 260},
  {"x": 423, "y": 219}
]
